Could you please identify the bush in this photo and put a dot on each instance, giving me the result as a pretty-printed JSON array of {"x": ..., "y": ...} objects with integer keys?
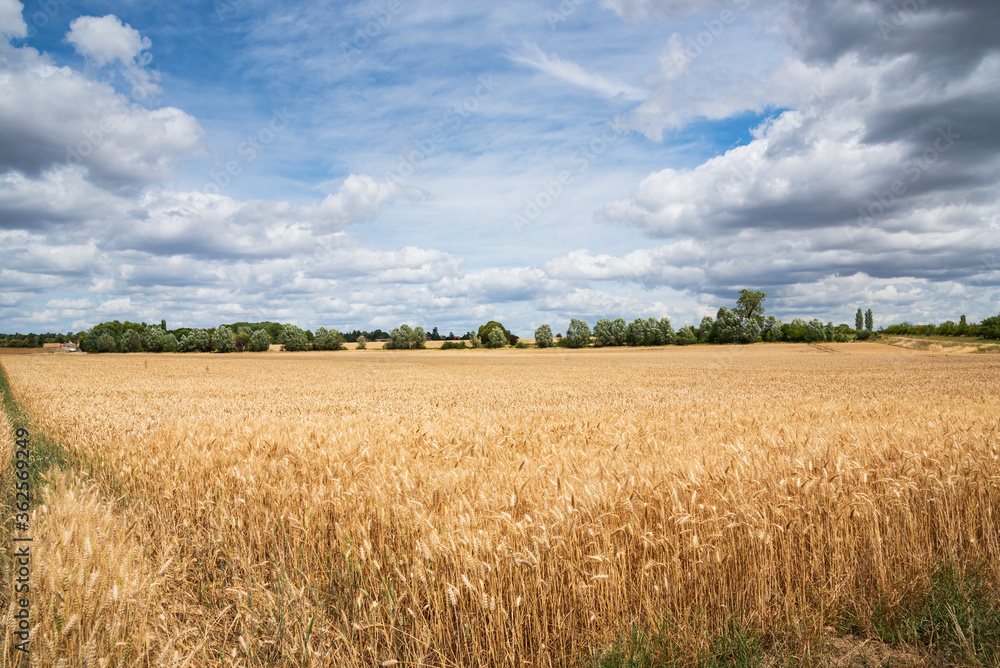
[
  {"x": 293, "y": 339},
  {"x": 362, "y": 343},
  {"x": 453, "y": 345},
  {"x": 260, "y": 341},
  {"x": 543, "y": 336}
]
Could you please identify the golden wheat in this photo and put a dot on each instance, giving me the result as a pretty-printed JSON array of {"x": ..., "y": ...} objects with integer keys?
[{"x": 498, "y": 509}]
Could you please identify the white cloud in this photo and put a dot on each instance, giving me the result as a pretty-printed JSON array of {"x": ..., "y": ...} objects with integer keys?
[
  {"x": 570, "y": 72},
  {"x": 359, "y": 198},
  {"x": 107, "y": 40},
  {"x": 52, "y": 116},
  {"x": 11, "y": 20}
]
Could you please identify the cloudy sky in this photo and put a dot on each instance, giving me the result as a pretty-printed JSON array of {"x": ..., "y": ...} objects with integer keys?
[{"x": 360, "y": 164}]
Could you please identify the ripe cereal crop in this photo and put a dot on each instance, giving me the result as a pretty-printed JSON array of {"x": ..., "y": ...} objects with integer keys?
[{"x": 498, "y": 508}]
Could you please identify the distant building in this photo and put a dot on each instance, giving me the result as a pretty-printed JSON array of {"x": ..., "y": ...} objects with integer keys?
[{"x": 69, "y": 347}]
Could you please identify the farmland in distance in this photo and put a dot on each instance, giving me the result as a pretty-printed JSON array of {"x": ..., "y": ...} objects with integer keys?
[{"x": 499, "y": 508}]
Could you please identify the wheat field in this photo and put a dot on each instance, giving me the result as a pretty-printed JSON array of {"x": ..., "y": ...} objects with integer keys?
[{"x": 495, "y": 508}]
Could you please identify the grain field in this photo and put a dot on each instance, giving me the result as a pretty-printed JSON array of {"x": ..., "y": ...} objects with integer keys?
[{"x": 497, "y": 508}]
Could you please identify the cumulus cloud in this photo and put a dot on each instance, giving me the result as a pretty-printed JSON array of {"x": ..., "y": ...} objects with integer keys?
[
  {"x": 106, "y": 40},
  {"x": 359, "y": 198},
  {"x": 883, "y": 166},
  {"x": 54, "y": 117},
  {"x": 11, "y": 20}
]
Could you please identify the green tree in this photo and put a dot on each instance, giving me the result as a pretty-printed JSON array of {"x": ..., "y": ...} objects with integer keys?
[
  {"x": 727, "y": 328},
  {"x": 484, "y": 332},
  {"x": 405, "y": 337},
  {"x": 497, "y": 339},
  {"x": 602, "y": 333},
  {"x": 577, "y": 334},
  {"x": 829, "y": 332},
  {"x": 859, "y": 320},
  {"x": 106, "y": 343},
  {"x": 666, "y": 331},
  {"x": 543, "y": 336},
  {"x": 224, "y": 340},
  {"x": 815, "y": 331},
  {"x": 259, "y": 341},
  {"x": 686, "y": 336},
  {"x": 130, "y": 342},
  {"x": 705, "y": 329},
  {"x": 869, "y": 320},
  {"x": 328, "y": 339},
  {"x": 638, "y": 332},
  {"x": 989, "y": 328},
  {"x": 771, "y": 331},
  {"x": 362, "y": 343},
  {"x": 750, "y": 305},
  {"x": 170, "y": 344},
  {"x": 154, "y": 339},
  {"x": 293, "y": 339},
  {"x": 195, "y": 341}
]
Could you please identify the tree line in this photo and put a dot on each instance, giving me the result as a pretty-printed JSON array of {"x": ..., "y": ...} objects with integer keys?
[{"x": 743, "y": 323}]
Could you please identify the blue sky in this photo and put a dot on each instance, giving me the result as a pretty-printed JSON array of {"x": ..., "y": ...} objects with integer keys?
[{"x": 361, "y": 164}]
